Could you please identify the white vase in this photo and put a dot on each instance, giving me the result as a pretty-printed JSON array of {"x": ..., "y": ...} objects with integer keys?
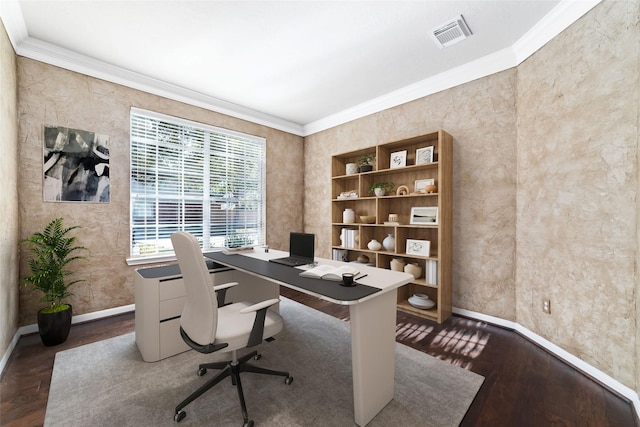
[
  {"x": 374, "y": 245},
  {"x": 379, "y": 192},
  {"x": 389, "y": 242},
  {"x": 348, "y": 216},
  {"x": 351, "y": 168}
]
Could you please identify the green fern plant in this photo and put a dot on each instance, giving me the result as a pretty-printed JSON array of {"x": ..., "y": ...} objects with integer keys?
[{"x": 52, "y": 251}]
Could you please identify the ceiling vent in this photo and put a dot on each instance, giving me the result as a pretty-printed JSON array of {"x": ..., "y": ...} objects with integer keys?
[{"x": 451, "y": 32}]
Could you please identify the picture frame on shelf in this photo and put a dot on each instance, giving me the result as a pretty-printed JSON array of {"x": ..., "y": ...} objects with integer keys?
[
  {"x": 421, "y": 184},
  {"x": 418, "y": 247},
  {"x": 424, "y": 215},
  {"x": 424, "y": 155},
  {"x": 398, "y": 159}
]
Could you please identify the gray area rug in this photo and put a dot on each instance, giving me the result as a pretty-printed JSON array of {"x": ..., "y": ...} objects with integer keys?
[{"x": 107, "y": 383}]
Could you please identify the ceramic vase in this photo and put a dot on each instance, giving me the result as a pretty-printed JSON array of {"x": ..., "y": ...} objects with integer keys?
[
  {"x": 374, "y": 245},
  {"x": 389, "y": 242},
  {"x": 348, "y": 216},
  {"x": 379, "y": 192},
  {"x": 351, "y": 168},
  {"x": 397, "y": 264},
  {"x": 414, "y": 269}
]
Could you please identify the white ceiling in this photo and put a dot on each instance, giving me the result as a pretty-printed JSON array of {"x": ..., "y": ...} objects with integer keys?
[{"x": 300, "y": 66}]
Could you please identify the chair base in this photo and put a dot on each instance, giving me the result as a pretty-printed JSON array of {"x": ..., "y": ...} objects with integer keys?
[{"x": 232, "y": 369}]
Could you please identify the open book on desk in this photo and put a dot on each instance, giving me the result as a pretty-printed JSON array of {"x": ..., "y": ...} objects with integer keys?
[{"x": 329, "y": 272}]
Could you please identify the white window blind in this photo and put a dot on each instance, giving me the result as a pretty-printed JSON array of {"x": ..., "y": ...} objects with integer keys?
[{"x": 187, "y": 176}]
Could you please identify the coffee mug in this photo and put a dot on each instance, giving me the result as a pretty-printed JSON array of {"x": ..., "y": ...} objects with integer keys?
[{"x": 347, "y": 279}]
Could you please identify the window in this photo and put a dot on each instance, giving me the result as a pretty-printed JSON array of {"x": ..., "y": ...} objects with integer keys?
[{"x": 187, "y": 176}]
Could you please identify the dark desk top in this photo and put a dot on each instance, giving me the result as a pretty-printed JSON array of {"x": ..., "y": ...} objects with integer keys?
[
  {"x": 291, "y": 276},
  {"x": 172, "y": 271}
]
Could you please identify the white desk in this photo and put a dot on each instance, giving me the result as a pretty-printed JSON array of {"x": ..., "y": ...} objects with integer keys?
[{"x": 373, "y": 321}]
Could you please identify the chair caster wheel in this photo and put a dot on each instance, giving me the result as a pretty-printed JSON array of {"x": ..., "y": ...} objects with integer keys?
[
  {"x": 179, "y": 416},
  {"x": 288, "y": 380},
  {"x": 248, "y": 423},
  {"x": 257, "y": 357},
  {"x": 202, "y": 371}
]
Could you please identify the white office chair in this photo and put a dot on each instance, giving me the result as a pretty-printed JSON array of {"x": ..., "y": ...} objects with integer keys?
[{"x": 208, "y": 325}]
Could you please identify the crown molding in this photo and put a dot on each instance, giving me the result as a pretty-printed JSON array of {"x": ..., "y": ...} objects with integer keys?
[
  {"x": 13, "y": 21},
  {"x": 32, "y": 48},
  {"x": 54, "y": 55},
  {"x": 487, "y": 65},
  {"x": 562, "y": 16},
  {"x": 559, "y": 19}
]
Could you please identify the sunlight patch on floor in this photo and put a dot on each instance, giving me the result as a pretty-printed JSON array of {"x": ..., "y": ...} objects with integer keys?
[{"x": 457, "y": 344}]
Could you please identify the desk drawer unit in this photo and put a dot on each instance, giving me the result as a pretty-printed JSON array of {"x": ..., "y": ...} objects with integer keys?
[{"x": 159, "y": 298}]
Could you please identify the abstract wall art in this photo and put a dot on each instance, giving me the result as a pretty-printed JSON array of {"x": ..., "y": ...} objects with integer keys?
[{"x": 76, "y": 166}]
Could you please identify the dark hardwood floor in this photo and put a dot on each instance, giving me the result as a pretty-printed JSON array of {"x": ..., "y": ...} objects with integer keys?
[{"x": 524, "y": 385}]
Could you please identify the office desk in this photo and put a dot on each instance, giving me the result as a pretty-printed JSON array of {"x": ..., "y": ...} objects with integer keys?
[{"x": 372, "y": 310}]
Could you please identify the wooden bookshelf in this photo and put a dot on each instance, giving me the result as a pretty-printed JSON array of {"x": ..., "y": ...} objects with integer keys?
[{"x": 406, "y": 174}]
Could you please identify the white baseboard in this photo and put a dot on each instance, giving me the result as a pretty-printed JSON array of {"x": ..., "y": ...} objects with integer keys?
[
  {"x": 102, "y": 313},
  {"x": 30, "y": 329},
  {"x": 7, "y": 354},
  {"x": 567, "y": 357}
]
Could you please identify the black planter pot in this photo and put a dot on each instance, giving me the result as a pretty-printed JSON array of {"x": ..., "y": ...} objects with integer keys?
[
  {"x": 366, "y": 168},
  {"x": 54, "y": 327}
]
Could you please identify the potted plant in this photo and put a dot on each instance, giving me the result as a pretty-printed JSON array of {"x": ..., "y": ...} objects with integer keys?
[
  {"x": 380, "y": 188},
  {"x": 366, "y": 162},
  {"x": 53, "y": 249}
]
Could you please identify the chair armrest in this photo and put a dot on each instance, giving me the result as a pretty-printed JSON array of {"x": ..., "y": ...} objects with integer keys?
[
  {"x": 224, "y": 286},
  {"x": 257, "y": 330},
  {"x": 221, "y": 292},
  {"x": 260, "y": 305}
]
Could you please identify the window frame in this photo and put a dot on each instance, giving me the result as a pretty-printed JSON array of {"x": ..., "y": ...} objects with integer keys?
[{"x": 251, "y": 193}]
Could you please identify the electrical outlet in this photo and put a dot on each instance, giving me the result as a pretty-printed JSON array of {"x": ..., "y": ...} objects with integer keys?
[{"x": 546, "y": 306}]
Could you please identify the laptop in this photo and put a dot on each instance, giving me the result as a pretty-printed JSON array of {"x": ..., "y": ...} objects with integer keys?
[{"x": 301, "y": 250}]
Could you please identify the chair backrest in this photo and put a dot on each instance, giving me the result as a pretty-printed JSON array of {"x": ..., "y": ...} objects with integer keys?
[{"x": 200, "y": 313}]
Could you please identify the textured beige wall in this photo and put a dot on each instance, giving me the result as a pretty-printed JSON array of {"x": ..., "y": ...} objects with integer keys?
[
  {"x": 481, "y": 118},
  {"x": 54, "y": 96},
  {"x": 8, "y": 193},
  {"x": 578, "y": 107}
]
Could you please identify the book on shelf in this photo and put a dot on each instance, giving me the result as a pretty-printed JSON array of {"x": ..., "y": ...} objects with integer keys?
[
  {"x": 340, "y": 255},
  {"x": 348, "y": 237},
  {"x": 431, "y": 273},
  {"x": 392, "y": 223},
  {"x": 329, "y": 272}
]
